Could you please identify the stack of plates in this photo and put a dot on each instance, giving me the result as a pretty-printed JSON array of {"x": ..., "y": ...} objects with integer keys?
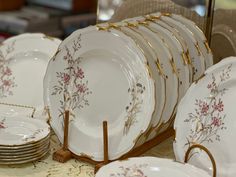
[
  {"x": 149, "y": 167},
  {"x": 131, "y": 73},
  {"x": 23, "y": 140}
]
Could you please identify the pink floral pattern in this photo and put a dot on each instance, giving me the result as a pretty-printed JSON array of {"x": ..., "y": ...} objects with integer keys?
[
  {"x": 71, "y": 83},
  {"x": 134, "y": 106},
  {"x": 7, "y": 80},
  {"x": 133, "y": 171},
  {"x": 208, "y": 118},
  {"x": 2, "y": 124}
]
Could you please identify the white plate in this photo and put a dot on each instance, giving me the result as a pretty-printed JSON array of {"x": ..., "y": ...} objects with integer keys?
[
  {"x": 20, "y": 156},
  {"x": 197, "y": 58},
  {"x": 178, "y": 36},
  {"x": 149, "y": 167},
  {"x": 23, "y": 63},
  {"x": 19, "y": 131},
  {"x": 206, "y": 116},
  {"x": 166, "y": 60},
  {"x": 200, "y": 37},
  {"x": 157, "y": 75},
  {"x": 25, "y": 160},
  {"x": 109, "y": 81},
  {"x": 178, "y": 56}
]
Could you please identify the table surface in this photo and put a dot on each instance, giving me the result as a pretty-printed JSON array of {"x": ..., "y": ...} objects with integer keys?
[{"x": 46, "y": 167}]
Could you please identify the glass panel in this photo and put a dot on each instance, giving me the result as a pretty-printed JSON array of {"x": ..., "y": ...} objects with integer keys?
[{"x": 223, "y": 39}]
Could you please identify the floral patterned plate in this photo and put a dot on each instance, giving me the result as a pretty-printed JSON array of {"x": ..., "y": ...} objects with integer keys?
[
  {"x": 202, "y": 41},
  {"x": 179, "y": 56},
  {"x": 206, "y": 116},
  {"x": 20, "y": 131},
  {"x": 167, "y": 64},
  {"x": 99, "y": 75},
  {"x": 156, "y": 72},
  {"x": 23, "y": 63},
  {"x": 176, "y": 35},
  {"x": 149, "y": 167},
  {"x": 197, "y": 58}
]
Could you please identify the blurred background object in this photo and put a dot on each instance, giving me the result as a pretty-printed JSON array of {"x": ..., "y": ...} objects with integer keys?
[
  {"x": 106, "y": 9},
  {"x": 57, "y": 18},
  {"x": 11, "y": 4},
  {"x": 60, "y": 18},
  {"x": 223, "y": 42}
]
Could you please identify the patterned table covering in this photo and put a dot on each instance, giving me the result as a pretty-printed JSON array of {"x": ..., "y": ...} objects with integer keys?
[{"x": 46, "y": 167}]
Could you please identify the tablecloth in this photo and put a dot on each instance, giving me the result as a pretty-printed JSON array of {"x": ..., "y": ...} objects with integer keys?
[{"x": 46, "y": 167}]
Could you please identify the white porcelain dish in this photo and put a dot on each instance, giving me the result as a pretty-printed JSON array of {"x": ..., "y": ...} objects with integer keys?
[
  {"x": 200, "y": 37},
  {"x": 206, "y": 116},
  {"x": 23, "y": 63},
  {"x": 156, "y": 72},
  {"x": 98, "y": 81},
  {"x": 20, "y": 131},
  {"x": 166, "y": 62},
  {"x": 149, "y": 167},
  {"x": 178, "y": 56},
  {"x": 177, "y": 34},
  {"x": 198, "y": 61}
]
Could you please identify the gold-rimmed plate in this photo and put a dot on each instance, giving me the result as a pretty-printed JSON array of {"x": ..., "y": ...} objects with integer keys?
[
  {"x": 22, "y": 131},
  {"x": 24, "y": 152},
  {"x": 25, "y": 147},
  {"x": 25, "y": 160}
]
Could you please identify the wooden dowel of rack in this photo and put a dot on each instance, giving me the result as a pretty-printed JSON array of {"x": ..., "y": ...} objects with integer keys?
[
  {"x": 105, "y": 148},
  {"x": 66, "y": 125},
  {"x": 63, "y": 155},
  {"x": 105, "y": 142},
  {"x": 150, "y": 144}
]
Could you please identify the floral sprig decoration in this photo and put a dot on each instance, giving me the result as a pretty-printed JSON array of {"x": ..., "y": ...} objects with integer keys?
[
  {"x": 2, "y": 124},
  {"x": 135, "y": 171},
  {"x": 134, "y": 107},
  {"x": 208, "y": 117},
  {"x": 71, "y": 83},
  {"x": 7, "y": 80}
]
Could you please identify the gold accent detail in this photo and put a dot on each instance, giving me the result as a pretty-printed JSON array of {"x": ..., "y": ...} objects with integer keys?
[
  {"x": 161, "y": 72},
  {"x": 202, "y": 76},
  {"x": 188, "y": 57},
  {"x": 21, "y": 106},
  {"x": 207, "y": 46},
  {"x": 54, "y": 57},
  {"x": 129, "y": 24},
  {"x": 144, "y": 23},
  {"x": 155, "y": 17},
  {"x": 166, "y": 14},
  {"x": 174, "y": 67},
  {"x": 198, "y": 49},
  {"x": 49, "y": 37},
  {"x": 185, "y": 58},
  {"x": 113, "y": 25},
  {"x": 148, "y": 69},
  {"x": 138, "y": 137},
  {"x": 102, "y": 28}
]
